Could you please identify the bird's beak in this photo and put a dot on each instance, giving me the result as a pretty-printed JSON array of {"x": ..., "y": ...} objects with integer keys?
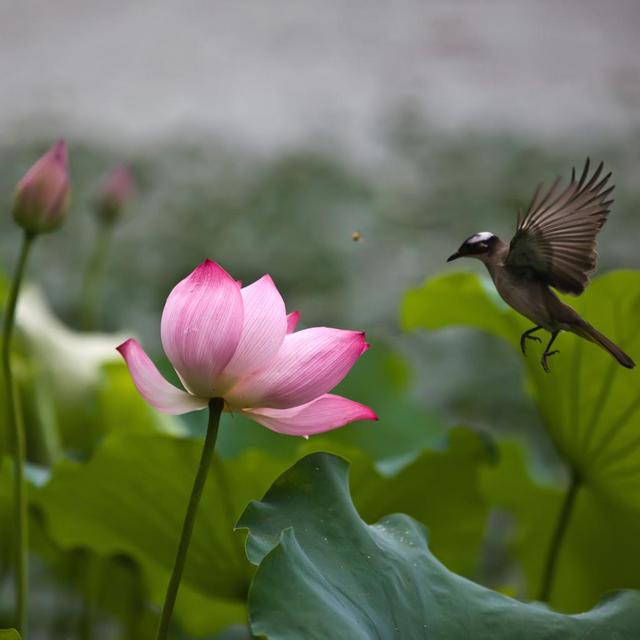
[{"x": 454, "y": 256}]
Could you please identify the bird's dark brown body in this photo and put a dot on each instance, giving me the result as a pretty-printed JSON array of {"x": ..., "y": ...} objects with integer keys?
[
  {"x": 528, "y": 295},
  {"x": 554, "y": 246}
]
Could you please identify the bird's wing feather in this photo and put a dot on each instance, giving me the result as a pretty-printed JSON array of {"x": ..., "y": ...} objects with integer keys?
[{"x": 556, "y": 239}]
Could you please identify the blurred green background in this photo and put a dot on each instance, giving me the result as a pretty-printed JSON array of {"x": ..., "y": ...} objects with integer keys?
[
  {"x": 412, "y": 126},
  {"x": 293, "y": 214}
]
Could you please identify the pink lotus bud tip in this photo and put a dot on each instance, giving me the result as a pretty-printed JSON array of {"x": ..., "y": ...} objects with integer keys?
[
  {"x": 117, "y": 188},
  {"x": 122, "y": 348},
  {"x": 42, "y": 196}
]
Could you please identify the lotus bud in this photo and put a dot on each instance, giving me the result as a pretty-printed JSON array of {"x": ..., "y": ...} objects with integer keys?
[
  {"x": 42, "y": 196},
  {"x": 116, "y": 190}
]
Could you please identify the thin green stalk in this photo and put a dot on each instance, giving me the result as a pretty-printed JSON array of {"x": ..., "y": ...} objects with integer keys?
[
  {"x": 14, "y": 417},
  {"x": 558, "y": 537},
  {"x": 215, "y": 409},
  {"x": 91, "y": 300},
  {"x": 48, "y": 442},
  {"x": 91, "y": 574}
]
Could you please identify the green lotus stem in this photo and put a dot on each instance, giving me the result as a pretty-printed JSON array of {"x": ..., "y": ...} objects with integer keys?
[
  {"x": 558, "y": 537},
  {"x": 19, "y": 445},
  {"x": 215, "y": 409},
  {"x": 91, "y": 300}
]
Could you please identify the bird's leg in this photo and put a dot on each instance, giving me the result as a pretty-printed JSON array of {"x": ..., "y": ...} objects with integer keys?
[
  {"x": 548, "y": 353},
  {"x": 527, "y": 336}
]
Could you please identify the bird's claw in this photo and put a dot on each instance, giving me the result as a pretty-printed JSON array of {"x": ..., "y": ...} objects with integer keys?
[
  {"x": 523, "y": 342},
  {"x": 543, "y": 360}
]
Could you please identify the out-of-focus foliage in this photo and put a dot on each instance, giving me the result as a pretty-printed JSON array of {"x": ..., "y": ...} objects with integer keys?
[
  {"x": 440, "y": 488},
  {"x": 5, "y": 513},
  {"x": 9, "y": 634},
  {"x": 589, "y": 404},
  {"x": 590, "y": 407},
  {"x": 130, "y": 499},
  {"x": 292, "y": 213},
  {"x": 583, "y": 575},
  {"x": 69, "y": 401},
  {"x": 323, "y": 573}
]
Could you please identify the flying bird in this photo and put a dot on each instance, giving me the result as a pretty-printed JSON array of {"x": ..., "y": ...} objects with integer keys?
[{"x": 554, "y": 247}]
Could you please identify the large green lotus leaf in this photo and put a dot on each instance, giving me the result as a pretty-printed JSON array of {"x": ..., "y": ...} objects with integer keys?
[
  {"x": 597, "y": 523},
  {"x": 440, "y": 488},
  {"x": 324, "y": 573}
]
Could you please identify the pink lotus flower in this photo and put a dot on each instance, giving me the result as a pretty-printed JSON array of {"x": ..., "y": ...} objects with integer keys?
[
  {"x": 116, "y": 190},
  {"x": 237, "y": 343},
  {"x": 42, "y": 196}
]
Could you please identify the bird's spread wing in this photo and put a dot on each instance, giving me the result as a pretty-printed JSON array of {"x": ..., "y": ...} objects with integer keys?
[{"x": 556, "y": 239}]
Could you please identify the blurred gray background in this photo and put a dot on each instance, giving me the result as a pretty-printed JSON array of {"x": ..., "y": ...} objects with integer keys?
[{"x": 272, "y": 73}]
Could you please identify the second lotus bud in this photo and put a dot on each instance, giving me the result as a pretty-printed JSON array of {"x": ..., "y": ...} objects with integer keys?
[{"x": 114, "y": 193}]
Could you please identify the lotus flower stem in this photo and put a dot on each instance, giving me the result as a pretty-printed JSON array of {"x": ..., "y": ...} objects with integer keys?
[
  {"x": 91, "y": 301},
  {"x": 15, "y": 424},
  {"x": 215, "y": 409},
  {"x": 558, "y": 537}
]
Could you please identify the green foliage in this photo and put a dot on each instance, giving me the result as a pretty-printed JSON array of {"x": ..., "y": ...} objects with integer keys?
[
  {"x": 460, "y": 299},
  {"x": 324, "y": 573},
  {"x": 131, "y": 497},
  {"x": 596, "y": 522},
  {"x": 6, "y": 501},
  {"x": 384, "y": 380},
  {"x": 589, "y": 404},
  {"x": 440, "y": 489},
  {"x": 590, "y": 407},
  {"x": 119, "y": 406},
  {"x": 74, "y": 386},
  {"x": 9, "y": 634}
]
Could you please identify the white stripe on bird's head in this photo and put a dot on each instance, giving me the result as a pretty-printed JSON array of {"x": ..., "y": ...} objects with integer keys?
[{"x": 482, "y": 236}]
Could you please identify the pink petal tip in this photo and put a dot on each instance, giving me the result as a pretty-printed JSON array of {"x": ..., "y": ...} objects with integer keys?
[
  {"x": 292, "y": 321},
  {"x": 326, "y": 413}
]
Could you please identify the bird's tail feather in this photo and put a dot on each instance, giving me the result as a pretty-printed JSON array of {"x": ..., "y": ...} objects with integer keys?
[{"x": 593, "y": 335}]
